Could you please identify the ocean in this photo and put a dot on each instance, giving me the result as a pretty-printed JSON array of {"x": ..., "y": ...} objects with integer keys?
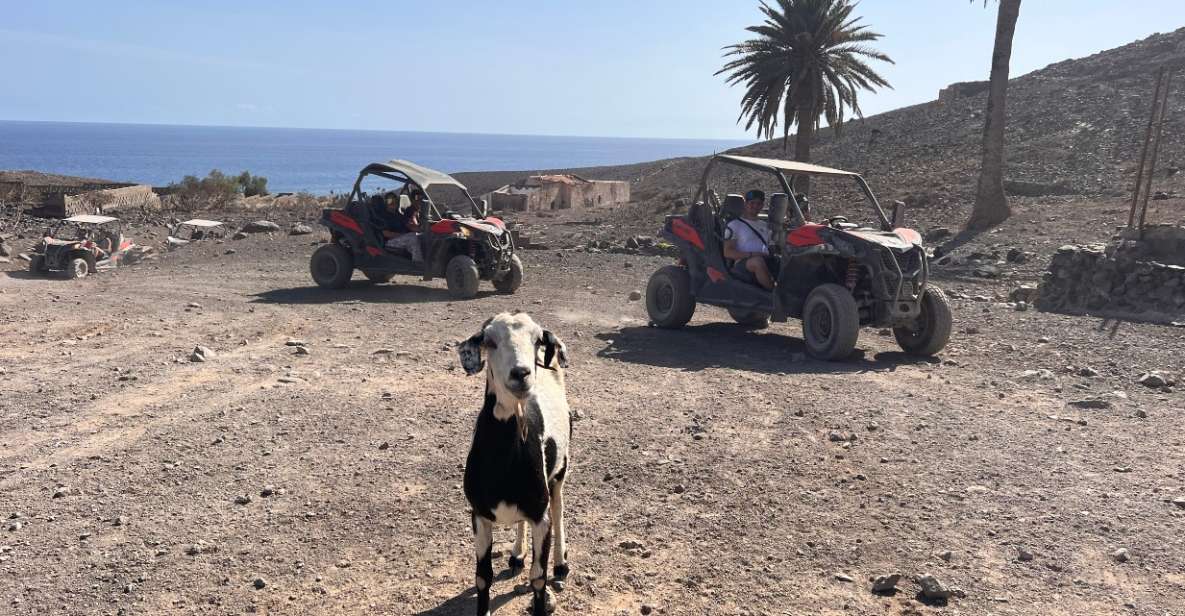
[{"x": 314, "y": 160}]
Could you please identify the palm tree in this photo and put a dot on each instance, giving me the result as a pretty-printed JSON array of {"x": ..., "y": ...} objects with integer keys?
[
  {"x": 807, "y": 62},
  {"x": 991, "y": 204}
]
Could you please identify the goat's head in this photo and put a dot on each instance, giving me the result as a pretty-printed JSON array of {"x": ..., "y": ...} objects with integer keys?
[{"x": 508, "y": 346}]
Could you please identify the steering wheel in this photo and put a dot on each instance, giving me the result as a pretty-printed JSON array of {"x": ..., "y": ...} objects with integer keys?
[{"x": 834, "y": 220}]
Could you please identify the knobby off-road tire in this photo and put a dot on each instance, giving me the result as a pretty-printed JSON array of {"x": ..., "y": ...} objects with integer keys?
[
  {"x": 462, "y": 277},
  {"x": 512, "y": 279},
  {"x": 668, "y": 297},
  {"x": 830, "y": 322},
  {"x": 77, "y": 268},
  {"x": 376, "y": 278},
  {"x": 331, "y": 266},
  {"x": 37, "y": 264},
  {"x": 931, "y": 331},
  {"x": 750, "y": 319}
]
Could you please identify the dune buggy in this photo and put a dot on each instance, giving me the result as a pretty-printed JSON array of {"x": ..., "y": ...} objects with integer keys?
[
  {"x": 834, "y": 275},
  {"x": 464, "y": 249},
  {"x": 82, "y": 245},
  {"x": 194, "y": 230}
]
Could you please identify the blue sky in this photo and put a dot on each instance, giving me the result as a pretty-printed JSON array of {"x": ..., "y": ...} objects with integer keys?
[{"x": 633, "y": 68}]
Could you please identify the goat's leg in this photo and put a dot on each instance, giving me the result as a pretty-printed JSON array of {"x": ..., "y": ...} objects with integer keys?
[
  {"x": 540, "y": 546},
  {"x": 557, "y": 528},
  {"x": 518, "y": 553},
  {"x": 483, "y": 543}
]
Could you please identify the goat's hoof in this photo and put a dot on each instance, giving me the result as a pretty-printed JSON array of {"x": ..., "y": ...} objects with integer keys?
[
  {"x": 516, "y": 563},
  {"x": 543, "y": 606},
  {"x": 560, "y": 573}
]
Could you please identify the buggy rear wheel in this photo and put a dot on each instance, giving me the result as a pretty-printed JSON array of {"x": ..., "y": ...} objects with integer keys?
[
  {"x": 751, "y": 319},
  {"x": 931, "y": 331},
  {"x": 669, "y": 302},
  {"x": 77, "y": 268},
  {"x": 512, "y": 279},
  {"x": 37, "y": 264},
  {"x": 331, "y": 266},
  {"x": 830, "y": 322},
  {"x": 462, "y": 277}
]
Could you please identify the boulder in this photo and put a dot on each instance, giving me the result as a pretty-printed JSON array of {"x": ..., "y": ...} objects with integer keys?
[
  {"x": 300, "y": 229},
  {"x": 1024, "y": 293},
  {"x": 933, "y": 589},
  {"x": 1155, "y": 379},
  {"x": 938, "y": 234},
  {"x": 261, "y": 226}
]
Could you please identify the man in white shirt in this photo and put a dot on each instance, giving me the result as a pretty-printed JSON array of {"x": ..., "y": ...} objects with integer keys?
[{"x": 746, "y": 240}]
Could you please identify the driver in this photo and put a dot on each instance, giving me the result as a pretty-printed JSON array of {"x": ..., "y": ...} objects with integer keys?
[
  {"x": 747, "y": 242},
  {"x": 401, "y": 226}
]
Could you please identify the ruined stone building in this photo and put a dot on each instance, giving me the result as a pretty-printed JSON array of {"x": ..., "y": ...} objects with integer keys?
[{"x": 558, "y": 192}]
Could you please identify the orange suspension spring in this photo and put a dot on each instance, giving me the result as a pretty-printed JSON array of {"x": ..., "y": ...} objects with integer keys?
[{"x": 853, "y": 274}]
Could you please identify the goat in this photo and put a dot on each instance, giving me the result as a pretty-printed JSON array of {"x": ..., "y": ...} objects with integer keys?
[{"x": 518, "y": 461}]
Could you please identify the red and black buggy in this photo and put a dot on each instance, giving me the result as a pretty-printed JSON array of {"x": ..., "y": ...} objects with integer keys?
[
  {"x": 834, "y": 275},
  {"x": 463, "y": 248}
]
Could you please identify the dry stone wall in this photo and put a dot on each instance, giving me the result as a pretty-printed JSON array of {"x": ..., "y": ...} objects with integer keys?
[{"x": 1129, "y": 277}]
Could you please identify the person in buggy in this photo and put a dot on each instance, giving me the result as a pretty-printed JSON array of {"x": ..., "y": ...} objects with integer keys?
[
  {"x": 399, "y": 220},
  {"x": 746, "y": 243}
]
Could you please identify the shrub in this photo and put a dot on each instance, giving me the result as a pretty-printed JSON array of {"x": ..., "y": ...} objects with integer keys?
[
  {"x": 216, "y": 190},
  {"x": 252, "y": 185}
]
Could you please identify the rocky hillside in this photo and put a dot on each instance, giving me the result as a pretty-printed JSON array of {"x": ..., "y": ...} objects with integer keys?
[{"x": 1074, "y": 128}]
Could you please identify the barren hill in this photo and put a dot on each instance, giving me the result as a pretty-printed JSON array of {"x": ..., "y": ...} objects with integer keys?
[{"x": 1074, "y": 127}]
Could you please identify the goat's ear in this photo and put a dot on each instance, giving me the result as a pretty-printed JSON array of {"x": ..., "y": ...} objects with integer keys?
[
  {"x": 552, "y": 347},
  {"x": 470, "y": 353}
]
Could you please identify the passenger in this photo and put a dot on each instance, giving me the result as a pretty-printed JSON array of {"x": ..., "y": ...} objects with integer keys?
[
  {"x": 400, "y": 232},
  {"x": 747, "y": 242}
]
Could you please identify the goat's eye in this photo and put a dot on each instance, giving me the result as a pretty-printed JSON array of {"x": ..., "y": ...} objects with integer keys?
[{"x": 490, "y": 344}]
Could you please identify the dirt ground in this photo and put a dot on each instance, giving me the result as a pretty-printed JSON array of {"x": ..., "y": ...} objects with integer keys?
[{"x": 706, "y": 475}]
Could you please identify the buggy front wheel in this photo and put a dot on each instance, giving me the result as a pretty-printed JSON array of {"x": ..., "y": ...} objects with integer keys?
[
  {"x": 830, "y": 322},
  {"x": 512, "y": 279},
  {"x": 669, "y": 301},
  {"x": 930, "y": 332},
  {"x": 462, "y": 277},
  {"x": 77, "y": 268},
  {"x": 331, "y": 266}
]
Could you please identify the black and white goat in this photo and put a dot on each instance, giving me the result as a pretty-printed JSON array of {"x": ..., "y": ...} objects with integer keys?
[{"x": 519, "y": 458}]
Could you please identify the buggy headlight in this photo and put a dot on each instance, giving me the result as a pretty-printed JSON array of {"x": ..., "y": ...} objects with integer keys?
[{"x": 464, "y": 231}]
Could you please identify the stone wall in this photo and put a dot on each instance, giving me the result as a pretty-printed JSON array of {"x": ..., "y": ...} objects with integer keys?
[
  {"x": 962, "y": 89},
  {"x": 1127, "y": 278},
  {"x": 106, "y": 201}
]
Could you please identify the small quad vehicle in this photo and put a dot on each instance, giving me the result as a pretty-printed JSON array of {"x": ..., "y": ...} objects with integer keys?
[
  {"x": 463, "y": 248},
  {"x": 82, "y": 245},
  {"x": 194, "y": 230},
  {"x": 834, "y": 275}
]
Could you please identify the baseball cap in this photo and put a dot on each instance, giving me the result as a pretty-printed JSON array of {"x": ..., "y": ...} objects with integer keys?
[{"x": 755, "y": 195}]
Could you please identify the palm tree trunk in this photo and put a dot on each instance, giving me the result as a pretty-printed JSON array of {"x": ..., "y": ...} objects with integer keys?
[
  {"x": 803, "y": 140},
  {"x": 991, "y": 204}
]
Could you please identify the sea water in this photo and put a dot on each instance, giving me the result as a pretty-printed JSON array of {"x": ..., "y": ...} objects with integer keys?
[{"x": 313, "y": 160}]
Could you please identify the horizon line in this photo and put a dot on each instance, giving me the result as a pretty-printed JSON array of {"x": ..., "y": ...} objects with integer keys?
[{"x": 743, "y": 140}]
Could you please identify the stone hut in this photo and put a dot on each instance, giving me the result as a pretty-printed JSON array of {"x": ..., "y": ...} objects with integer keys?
[{"x": 558, "y": 192}]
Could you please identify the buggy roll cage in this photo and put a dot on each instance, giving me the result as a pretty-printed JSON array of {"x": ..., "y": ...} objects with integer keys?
[
  {"x": 779, "y": 168},
  {"x": 411, "y": 174}
]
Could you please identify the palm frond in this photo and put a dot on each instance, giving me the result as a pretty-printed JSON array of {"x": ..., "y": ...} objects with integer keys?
[{"x": 807, "y": 61}]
